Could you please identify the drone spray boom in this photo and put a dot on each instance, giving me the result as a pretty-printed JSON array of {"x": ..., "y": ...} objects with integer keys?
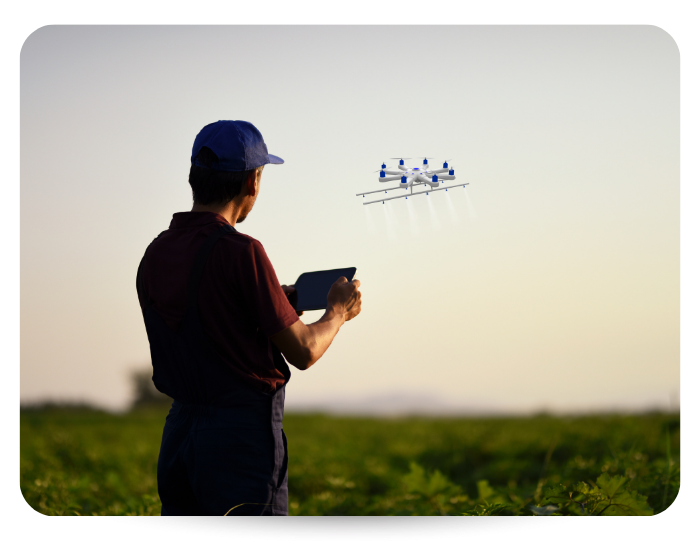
[{"x": 414, "y": 194}]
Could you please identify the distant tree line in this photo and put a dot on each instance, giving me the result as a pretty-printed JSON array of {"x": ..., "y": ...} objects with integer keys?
[
  {"x": 144, "y": 391},
  {"x": 55, "y": 404}
]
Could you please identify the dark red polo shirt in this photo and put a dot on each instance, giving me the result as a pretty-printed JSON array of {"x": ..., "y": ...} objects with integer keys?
[{"x": 241, "y": 302}]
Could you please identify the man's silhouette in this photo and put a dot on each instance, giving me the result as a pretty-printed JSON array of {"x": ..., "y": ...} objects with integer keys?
[{"x": 220, "y": 327}]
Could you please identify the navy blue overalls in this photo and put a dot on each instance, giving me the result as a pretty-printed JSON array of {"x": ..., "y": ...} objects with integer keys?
[{"x": 223, "y": 449}]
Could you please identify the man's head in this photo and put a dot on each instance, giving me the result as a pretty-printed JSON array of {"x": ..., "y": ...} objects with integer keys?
[
  {"x": 211, "y": 186},
  {"x": 227, "y": 161}
]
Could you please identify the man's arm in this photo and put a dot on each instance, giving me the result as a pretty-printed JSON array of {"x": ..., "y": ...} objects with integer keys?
[{"x": 302, "y": 345}]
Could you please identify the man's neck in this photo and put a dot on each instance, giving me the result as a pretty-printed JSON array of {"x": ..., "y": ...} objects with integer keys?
[{"x": 230, "y": 211}]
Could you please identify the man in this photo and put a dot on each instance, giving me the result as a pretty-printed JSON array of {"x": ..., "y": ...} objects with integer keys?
[{"x": 219, "y": 324}]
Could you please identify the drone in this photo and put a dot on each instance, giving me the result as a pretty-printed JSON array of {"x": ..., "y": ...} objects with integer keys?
[{"x": 409, "y": 177}]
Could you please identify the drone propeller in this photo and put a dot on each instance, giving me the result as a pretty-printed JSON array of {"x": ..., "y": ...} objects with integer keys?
[{"x": 400, "y": 158}]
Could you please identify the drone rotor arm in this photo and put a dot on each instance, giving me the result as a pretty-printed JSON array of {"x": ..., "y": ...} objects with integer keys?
[{"x": 429, "y": 181}]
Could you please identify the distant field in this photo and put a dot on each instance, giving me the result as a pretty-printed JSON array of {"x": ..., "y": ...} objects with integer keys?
[{"x": 82, "y": 462}]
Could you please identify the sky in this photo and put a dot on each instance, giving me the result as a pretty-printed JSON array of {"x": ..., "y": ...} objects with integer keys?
[{"x": 552, "y": 282}]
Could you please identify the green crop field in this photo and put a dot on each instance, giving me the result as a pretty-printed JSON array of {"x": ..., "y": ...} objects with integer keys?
[{"x": 85, "y": 462}]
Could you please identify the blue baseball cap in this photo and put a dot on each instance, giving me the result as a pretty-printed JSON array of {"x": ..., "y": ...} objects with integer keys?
[{"x": 238, "y": 145}]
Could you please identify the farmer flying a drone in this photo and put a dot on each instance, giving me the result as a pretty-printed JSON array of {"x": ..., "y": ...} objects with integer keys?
[{"x": 219, "y": 324}]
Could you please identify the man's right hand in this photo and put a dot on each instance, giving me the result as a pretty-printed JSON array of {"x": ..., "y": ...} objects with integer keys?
[
  {"x": 345, "y": 299},
  {"x": 302, "y": 345}
]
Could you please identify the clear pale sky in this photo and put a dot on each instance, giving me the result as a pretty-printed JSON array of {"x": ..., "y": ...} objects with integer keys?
[{"x": 552, "y": 283}]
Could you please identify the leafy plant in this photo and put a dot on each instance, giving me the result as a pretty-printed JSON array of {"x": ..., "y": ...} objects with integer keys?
[
  {"x": 435, "y": 488},
  {"x": 605, "y": 497},
  {"x": 549, "y": 510},
  {"x": 488, "y": 509}
]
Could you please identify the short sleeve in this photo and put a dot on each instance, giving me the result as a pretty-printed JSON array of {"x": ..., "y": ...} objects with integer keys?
[{"x": 262, "y": 292}]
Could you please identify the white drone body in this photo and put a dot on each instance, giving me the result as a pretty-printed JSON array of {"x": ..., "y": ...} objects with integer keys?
[{"x": 408, "y": 177}]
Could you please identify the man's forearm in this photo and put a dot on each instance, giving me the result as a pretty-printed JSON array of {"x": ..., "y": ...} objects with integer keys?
[{"x": 322, "y": 332}]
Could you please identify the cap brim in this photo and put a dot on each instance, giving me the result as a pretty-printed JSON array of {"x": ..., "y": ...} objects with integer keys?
[{"x": 275, "y": 160}]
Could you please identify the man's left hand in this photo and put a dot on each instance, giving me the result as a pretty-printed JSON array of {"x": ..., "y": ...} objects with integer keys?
[{"x": 289, "y": 290}]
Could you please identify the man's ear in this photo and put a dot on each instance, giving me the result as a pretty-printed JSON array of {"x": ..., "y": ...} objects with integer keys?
[{"x": 250, "y": 182}]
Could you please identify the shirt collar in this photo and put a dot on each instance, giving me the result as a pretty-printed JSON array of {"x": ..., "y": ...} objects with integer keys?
[{"x": 182, "y": 220}]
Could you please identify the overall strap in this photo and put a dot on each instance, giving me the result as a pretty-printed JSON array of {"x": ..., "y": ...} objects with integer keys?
[{"x": 200, "y": 262}]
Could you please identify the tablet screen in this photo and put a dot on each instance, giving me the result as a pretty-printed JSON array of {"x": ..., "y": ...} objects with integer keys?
[{"x": 313, "y": 287}]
